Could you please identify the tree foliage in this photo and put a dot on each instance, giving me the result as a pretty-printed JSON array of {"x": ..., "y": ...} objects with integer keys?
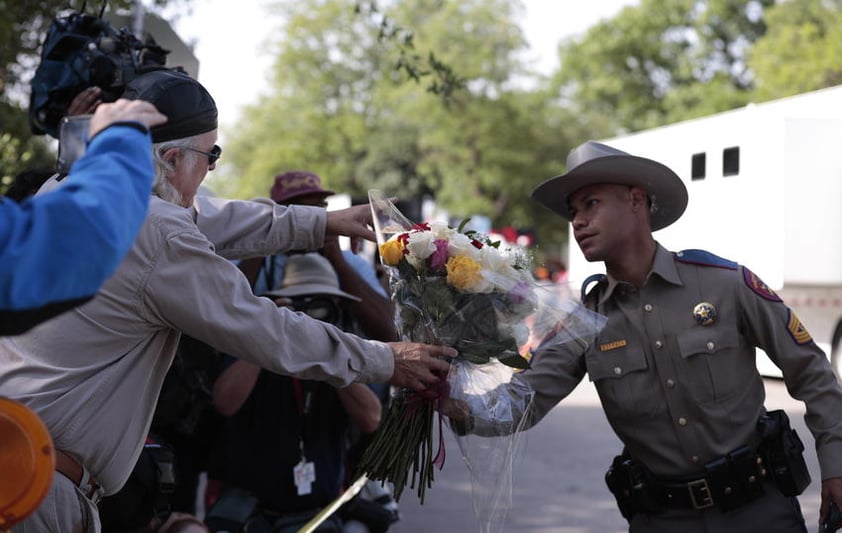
[
  {"x": 343, "y": 106},
  {"x": 802, "y": 51},
  {"x": 663, "y": 60}
]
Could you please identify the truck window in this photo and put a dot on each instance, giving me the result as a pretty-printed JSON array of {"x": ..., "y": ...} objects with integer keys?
[
  {"x": 697, "y": 166},
  {"x": 731, "y": 161}
]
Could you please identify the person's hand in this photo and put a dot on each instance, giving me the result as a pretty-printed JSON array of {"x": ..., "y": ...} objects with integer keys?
[
  {"x": 831, "y": 491},
  {"x": 458, "y": 413},
  {"x": 125, "y": 110},
  {"x": 454, "y": 409},
  {"x": 419, "y": 365},
  {"x": 354, "y": 222},
  {"x": 85, "y": 102}
]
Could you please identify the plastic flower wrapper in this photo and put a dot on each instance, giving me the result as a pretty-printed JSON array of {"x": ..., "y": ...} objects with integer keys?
[{"x": 458, "y": 288}]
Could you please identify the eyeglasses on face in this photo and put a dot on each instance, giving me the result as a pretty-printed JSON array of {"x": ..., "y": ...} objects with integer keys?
[{"x": 213, "y": 156}]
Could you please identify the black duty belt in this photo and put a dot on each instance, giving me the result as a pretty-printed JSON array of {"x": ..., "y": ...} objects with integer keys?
[{"x": 728, "y": 482}]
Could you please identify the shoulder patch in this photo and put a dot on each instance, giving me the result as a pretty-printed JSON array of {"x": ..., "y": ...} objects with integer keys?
[
  {"x": 797, "y": 330},
  {"x": 705, "y": 258},
  {"x": 759, "y": 287}
]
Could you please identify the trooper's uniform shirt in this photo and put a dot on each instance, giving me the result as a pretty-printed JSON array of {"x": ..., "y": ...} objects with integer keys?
[{"x": 675, "y": 365}]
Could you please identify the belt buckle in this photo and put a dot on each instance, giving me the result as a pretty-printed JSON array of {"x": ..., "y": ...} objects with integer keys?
[
  {"x": 94, "y": 493},
  {"x": 700, "y": 494}
]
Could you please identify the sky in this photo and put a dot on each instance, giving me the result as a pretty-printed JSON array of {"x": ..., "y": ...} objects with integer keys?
[{"x": 228, "y": 38}]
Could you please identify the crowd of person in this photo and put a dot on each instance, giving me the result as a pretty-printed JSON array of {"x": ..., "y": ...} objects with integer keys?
[
  {"x": 189, "y": 335},
  {"x": 94, "y": 373}
]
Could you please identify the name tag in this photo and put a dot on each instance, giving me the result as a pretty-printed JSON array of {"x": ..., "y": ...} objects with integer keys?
[
  {"x": 305, "y": 475},
  {"x": 612, "y": 345}
]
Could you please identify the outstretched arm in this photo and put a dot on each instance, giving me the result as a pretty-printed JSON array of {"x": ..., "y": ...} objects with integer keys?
[{"x": 61, "y": 245}]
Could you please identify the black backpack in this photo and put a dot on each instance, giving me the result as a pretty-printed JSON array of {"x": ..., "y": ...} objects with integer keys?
[{"x": 82, "y": 51}]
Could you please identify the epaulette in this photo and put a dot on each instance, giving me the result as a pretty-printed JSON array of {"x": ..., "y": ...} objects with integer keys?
[
  {"x": 598, "y": 278},
  {"x": 704, "y": 258}
]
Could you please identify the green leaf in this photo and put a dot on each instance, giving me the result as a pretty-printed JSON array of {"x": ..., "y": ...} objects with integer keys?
[{"x": 516, "y": 361}]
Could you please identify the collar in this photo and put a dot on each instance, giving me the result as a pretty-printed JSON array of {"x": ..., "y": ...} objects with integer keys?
[{"x": 663, "y": 266}]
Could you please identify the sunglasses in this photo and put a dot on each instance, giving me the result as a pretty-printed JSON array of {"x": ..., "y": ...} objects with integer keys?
[{"x": 213, "y": 156}]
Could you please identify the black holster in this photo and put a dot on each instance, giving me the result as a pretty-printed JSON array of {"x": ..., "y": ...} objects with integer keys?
[
  {"x": 783, "y": 453},
  {"x": 631, "y": 483}
]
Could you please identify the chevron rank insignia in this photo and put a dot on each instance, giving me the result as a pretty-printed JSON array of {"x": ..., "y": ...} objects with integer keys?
[
  {"x": 799, "y": 333},
  {"x": 759, "y": 287}
]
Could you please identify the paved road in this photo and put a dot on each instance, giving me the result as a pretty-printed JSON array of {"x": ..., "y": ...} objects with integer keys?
[{"x": 558, "y": 484}]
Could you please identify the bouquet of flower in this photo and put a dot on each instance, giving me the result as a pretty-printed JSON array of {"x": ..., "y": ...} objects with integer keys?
[{"x": 459, "y": 288}]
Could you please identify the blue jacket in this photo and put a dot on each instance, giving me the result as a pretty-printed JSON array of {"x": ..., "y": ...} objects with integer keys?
[{"x": 57, "y": 248}]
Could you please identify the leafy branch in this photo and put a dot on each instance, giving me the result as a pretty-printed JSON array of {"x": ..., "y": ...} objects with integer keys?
[{"x": 444, "y": 82}]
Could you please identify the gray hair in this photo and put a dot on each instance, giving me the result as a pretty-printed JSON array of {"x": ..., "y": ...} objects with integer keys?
[{"x": 162, "y": 187}]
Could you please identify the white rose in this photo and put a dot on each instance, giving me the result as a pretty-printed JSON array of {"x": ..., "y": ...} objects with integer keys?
[
  {"x": 440, "y": 230},
  {"x": 420, "y": 246},
  {"x": 461, "y": 245},
  {"x": 498, "y": 269}
]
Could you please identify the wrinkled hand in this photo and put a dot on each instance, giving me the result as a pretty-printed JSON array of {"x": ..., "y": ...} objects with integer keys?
[
  {"x": 354, "y": 222},
  {"x": 831, "y": 490},
  {"x": 125, "y": 110},
  {"x": 85, "y": 102},
  {"x": 418, "y": 366}
]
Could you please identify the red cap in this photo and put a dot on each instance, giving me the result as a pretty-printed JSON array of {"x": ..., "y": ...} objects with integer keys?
[{"x": 296, "y": 183}]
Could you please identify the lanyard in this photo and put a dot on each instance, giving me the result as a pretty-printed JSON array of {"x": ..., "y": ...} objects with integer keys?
[{"x": 302, "y": 401}]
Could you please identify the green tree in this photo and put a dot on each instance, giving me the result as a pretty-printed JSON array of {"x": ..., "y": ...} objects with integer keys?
[
  {"x": 663, "y": 60},
  {"x": 802, "y": 51},
  {"x": 343, "y": 106}
]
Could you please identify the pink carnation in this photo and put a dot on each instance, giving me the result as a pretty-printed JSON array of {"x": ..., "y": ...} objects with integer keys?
[{"x": 439, "y": 258}]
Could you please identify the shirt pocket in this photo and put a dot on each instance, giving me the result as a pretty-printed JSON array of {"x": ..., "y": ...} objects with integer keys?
[
  {"x": 716, "y": 367},
  {"x": 622, "y": 378}
]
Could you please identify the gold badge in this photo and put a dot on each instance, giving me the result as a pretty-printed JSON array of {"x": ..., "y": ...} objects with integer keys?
[{"x": 704, "y": 313}]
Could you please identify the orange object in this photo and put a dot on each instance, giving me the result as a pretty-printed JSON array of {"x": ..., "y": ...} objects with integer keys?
[{"x": 27, "y": 462}]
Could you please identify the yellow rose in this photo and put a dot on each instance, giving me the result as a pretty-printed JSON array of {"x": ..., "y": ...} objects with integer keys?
[
  {"x": 391, "y": 252},
  {"x": 463, "y": 272}
]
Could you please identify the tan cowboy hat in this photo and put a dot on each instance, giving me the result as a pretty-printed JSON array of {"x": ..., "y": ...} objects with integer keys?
[
  {"x": 592, "y": 162},
  {"x": 307, "y": 275}
]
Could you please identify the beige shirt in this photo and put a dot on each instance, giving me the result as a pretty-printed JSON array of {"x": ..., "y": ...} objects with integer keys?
[
  {"x": 678, "y": 393},
  {"x": 93, "y": 374}
]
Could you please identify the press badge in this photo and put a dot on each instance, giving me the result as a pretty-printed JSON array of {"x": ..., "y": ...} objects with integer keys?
[{"x": 305, "y": 474}]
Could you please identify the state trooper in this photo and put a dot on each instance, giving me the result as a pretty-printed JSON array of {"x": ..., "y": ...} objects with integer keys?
[{"x": 675, "y": 367}]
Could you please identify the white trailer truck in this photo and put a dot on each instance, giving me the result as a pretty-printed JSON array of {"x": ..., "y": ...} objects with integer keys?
[{"x": 765, "y": 186}]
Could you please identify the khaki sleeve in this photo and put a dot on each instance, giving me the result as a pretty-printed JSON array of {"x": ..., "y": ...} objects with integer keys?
[
  {"x": 776, "y": 329},
  {"x": 239, "y": 229},
  {"x": 193, "y": 290},
  {"x": 555, "y": 372}
]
